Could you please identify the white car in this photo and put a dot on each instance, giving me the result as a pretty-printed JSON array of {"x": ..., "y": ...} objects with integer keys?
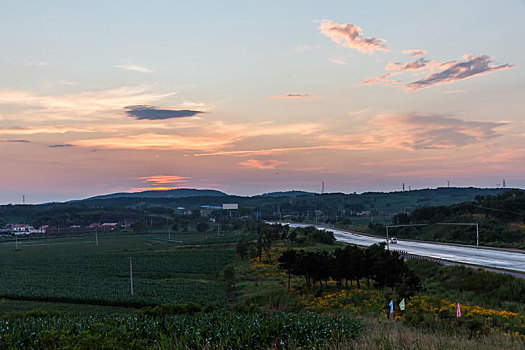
[{"x": 393, "y": 240}]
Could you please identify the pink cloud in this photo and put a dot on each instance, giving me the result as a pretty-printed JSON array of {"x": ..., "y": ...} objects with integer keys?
[
  {"x": 296, "y": 96},
  {"x": 382, "y": 79},
  {"x": 415, "y": 53},
  {"x": 437, "y": 73},
  {"x": 350, "y": 36},
  {"x": 261, "y": 164},
  {"x": 417, "y": 65},
  {"x": 455, "y": 71}
]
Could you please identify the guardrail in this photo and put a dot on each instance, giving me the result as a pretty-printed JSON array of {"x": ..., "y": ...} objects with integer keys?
[{"x": 406, "y": 255}]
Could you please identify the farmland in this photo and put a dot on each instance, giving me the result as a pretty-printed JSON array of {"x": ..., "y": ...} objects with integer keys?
[
  {"x": 75, "y": 269},
  {"x": 217, "y": 329},
  {"x": 199, "y": 290}
]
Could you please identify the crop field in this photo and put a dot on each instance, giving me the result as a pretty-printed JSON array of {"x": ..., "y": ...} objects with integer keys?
[
  {"x": 221, "y": 330},
  {"x": 75, "y": 269}
]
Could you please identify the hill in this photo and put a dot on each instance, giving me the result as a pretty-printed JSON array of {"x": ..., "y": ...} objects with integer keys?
[
  {"x": 177, "y": 193},
  {"x": 292, "y": 194}
]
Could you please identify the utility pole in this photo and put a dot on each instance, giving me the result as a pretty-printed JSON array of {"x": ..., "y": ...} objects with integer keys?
[
  {"x": 387, "y": 240},
  {"x": 477, "y": 228},
  {"x": 131, "y": 274}
]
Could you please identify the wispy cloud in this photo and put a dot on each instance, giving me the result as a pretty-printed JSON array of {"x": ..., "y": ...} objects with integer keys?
[
  {"x": 160, "y": 183},
  {"x": 410, "y": 131},
  {"x": 61, "y": 145},
  {"x": 414, "y": 131},
  {"x": 349, "y": 35},
  {"x": 337, "y": 61},
  {"x": 416, "y": 65},
  {"x": 261, "y": 164},
  {"x": 58, "y": 129},
  {"x": 296, "y": 96},
  {"x": 453, "y": 92},
  {"x": 154, "y": 113},
  {"x": 437, "y": 73},
  {"x": 15, "y": 141},
  {"x": 382, "y": 79},
  {"x": 455, "y": 71},
  {"x": 134, "y": 68},
  {"x": 415, "y": 53},
  {"x": 63, "y": 106},
  {"x": 205, "y": 136},
  {"x": 163, "y": 179}
]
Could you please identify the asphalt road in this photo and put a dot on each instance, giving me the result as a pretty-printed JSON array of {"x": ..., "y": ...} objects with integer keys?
[{"x": 500, "y": 259}]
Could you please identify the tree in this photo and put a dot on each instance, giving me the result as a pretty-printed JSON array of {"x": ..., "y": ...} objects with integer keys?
[
  {"x": 203, "y": 226},
  {"x": 243, "y": 247},
  {"x": 139, "y": 225},
  {"x": 288, "y": 262},
  {"x": 292, "y": 236}
]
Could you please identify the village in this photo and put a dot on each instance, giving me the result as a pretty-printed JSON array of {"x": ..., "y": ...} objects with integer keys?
[{"x": 26, "y": 229}]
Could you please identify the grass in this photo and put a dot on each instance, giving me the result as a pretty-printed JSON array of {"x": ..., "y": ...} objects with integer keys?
[{"x": 395, "y": 335}]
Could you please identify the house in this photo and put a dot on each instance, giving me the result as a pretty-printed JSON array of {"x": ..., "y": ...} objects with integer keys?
[
  {"x": 20, "y": 229},
  {"x": 110, "y": 226}
]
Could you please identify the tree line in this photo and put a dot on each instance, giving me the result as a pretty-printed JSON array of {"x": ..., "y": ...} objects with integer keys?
[{"x": 351, "y": 263}]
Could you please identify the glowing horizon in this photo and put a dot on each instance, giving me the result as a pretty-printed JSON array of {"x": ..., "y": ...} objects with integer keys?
[{"x": 100, "y": 98}]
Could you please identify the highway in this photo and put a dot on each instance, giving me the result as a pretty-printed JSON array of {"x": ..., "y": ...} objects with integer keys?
[{"x": 494, "y": 258}]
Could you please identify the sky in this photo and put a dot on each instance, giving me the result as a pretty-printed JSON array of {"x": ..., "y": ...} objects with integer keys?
[{"x": 249, "y": 97}]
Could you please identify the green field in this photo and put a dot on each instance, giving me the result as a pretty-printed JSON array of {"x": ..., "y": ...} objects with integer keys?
[{"x": 74, "y": 269}]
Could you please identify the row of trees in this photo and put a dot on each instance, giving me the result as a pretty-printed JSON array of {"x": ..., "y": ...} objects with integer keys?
[
  {"x": 386, "y": 268},
  {"x": 267, "y": 234}
]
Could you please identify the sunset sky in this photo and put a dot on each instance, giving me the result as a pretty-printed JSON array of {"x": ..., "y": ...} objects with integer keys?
[{"x": 249, "y": 97}]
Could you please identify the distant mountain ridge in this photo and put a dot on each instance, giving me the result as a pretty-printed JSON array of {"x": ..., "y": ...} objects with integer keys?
[
  {"x": 292, "y": 194},
  {"x": 177, "y": 193}
]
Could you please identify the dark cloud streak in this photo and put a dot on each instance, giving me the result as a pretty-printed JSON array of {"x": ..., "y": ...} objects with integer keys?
[
  {"x": 16, "y": 141},
  {"x": 61, "y": 145},
  {"x": 144, "y": 112},
  {"x": 477, "y": 65}
]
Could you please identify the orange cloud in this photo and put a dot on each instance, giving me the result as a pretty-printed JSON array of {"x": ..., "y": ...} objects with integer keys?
[
  {"x": 202, "y": 135},
  {"x": 261, "y": 164},
  {"x": 157, "y": 188},
  {"x": 350, "y": 35},
  {"x": 163, "y": 179},
  {"x": 333, "y": 60},
  {"x": 159, "y": 182}
]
